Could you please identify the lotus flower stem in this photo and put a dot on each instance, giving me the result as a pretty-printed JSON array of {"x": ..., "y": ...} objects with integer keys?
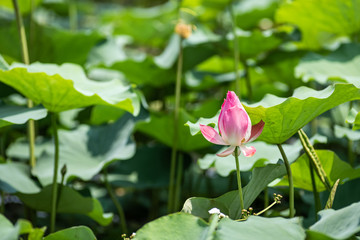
[
  {"x": 291, "y": 184},
  {"x": 172, "y": 190},
  {"x": 25, "y": 57},
  {"x": 117, "y": 204},
  {"x": 178, "y": 181},
  {"x": 315, "y": 192},
  {"x": 236, "y": 51},
  {"x": 56, "y": 166},
  {"x": 239, "y": 179}
]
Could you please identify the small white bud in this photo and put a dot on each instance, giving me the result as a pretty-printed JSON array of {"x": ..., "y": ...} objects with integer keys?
[{"x": 214, "y": 211}]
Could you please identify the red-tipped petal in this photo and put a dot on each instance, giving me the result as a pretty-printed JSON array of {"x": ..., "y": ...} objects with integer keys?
[
  {"x": 227, "y": 152},
  {"x": 211, "y": 135},
  {"x": 256, "y": 130},
  {"x": 247, "y": 151}
]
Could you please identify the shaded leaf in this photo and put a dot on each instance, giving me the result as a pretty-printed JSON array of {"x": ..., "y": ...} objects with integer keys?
[
  {"x": 339, "y": 224},
  {"x": 70, "y": 201},
  {"x": 174, "y": 226},
  {"x": 10, "y": 232},
  {"x": 17, "y": 178},
  {"x": 161, "y": 127},
  {"x": 256, "y": 227},
  {"x": 334, "y": 167},
  {"x": 19, "y": 115},
  {"x": 316, "y": 19},
  {"x": 229, "y": 203},
  {"x": 73, "y": 233},
  {"x": 86, "y": 150},
  {"x": 341, "y": 64}
]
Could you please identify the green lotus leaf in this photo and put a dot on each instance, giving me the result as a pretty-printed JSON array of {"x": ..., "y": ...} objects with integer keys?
[
  {"x": 339, "y": 224},
  {"x": 78, "y": 233},
  {"x": 316, "y": 20},
  {"x": 229, "y": 203},
  {"x": 16, "y": 177},
  {"x": 65, "y": 87},
  {"x": 161, "y": 127},
  {"x": 19, "y": 115},
  {"x": 24, "y": 5},
  {"x": 283, "y": 117},
  {"x": 8, "y": 231},
  {"x": 70, "y": 201},
  {"x": 334, "y": 168},
  {"x": 86, "y": 150},
  {"x": 341, "y": 64}
]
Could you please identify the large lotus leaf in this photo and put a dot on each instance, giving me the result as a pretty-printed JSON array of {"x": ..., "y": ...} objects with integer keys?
[
  {"x": 250, "y": 13},
  {"x": 346, "y": 132},
  {"x": 342, "y": 64},
  {"x": 24, "y": 5},
  {"x": 316, "y": 19},
  {"x": 229, "y": 203},
  {"x": 16, "y": 176},
  {"x": 206, "y": 11},
  {"x": 251, "y": 44},
  {"x": 65, "y": 87},
  {"x": 86, "y": 150},
  {"x": 154, "y": 175},
  {"x": 3, "y": 64},
  {"x": 334, "y": 168},
  {"x": 69, "y": 201},
  {"x": 256, "y": 227},
  {"x": 48, "y": 44},
  {"x": 283, "y": 117},
  {"x": 73, "y": 233},
  {"x": 174, "y": 226},
  {"x": 265, "y": 154},
  {"x": 147, "y": 26},
  {"x": 161, "y": 127},
  {"x": 8, "y": 231},
  {"x": 357, "y": 122},
  {"x": 339, "y": 224},
  {"x": 19, "y": 115}
]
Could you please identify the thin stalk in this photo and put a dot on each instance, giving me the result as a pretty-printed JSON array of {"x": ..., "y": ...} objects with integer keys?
[
  {"x": 117, "y": 204},
  {"x": 178, "y": 182},
  {"x": 315, "y": 192},
  {"x": 265, "y": 209},
  {"x": 2, "y": 207},
  {"x": 239, "y": 178},
  {"x": 266, "y": 197},
  {"x": 54, "y": 195},
  {"x": 25, "y": 57},
  {"x": 247, "y": 80},
  {"x": 172, "y": 186},
  {"x": 291, "y": 184},
  {"x": 213, "y": 222},
  {"x": 236, "y": 52},
  {"x": 73, "y": 16}
]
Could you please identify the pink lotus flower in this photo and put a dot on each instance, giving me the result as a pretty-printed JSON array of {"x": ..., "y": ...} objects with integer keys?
[{"x": 234, "y": 127}]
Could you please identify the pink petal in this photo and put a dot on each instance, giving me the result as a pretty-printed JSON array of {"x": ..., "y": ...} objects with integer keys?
[
  {"x": 211, "y": 135},
  {"x": 231, "y": 101},
  {"x": 235, "y": 126},
  {"x": 227, "y": 152},
  {"x": 256, "y": 130},
  {"x": 247, "y": 151}
]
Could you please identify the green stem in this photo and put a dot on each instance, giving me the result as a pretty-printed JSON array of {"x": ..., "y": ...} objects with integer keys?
[
  {"x": 116, "y": 203},
  {"x": 56, "y": 166},
  {"x": 178, "y": 182},
  {"x": 2, "y": 207},
  {"x": 73, "y": 15},
  {"x": 25, "y": 57},
  {"x": 315, "y": 192},
  {"x": 172, "y": 191},
  {"x": 291, "y": 184},
  {"x": 236, "y": 52},
  {"x": 239, "y": 179},
  {"x": 247, "y": 79}
]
